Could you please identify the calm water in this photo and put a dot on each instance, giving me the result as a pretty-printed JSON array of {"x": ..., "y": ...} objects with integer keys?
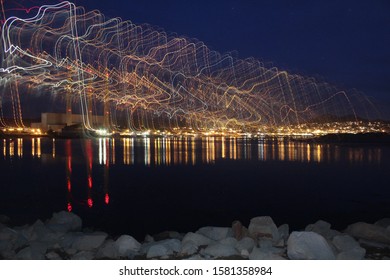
[{"x": 148, "y": 185}]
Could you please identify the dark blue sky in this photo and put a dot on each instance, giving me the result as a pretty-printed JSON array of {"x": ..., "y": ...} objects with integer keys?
[{"x": 345, "y": 42}]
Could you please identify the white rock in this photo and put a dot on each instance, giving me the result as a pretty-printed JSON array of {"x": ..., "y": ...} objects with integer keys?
[
  {"x": 172, "y": 245},
  {"x": 107, "y": 250},
  {"x": 65, "y": 221},
  {"x": 345, "y": 243},
  {"x": 370, "y": 232},
  {"x": 354, "y": 254},
  {"x": 308, "y": 246},
  {"x": 197, "y": 238},
  {"x": 284, "y": 231},
  {"x": 89, "y": 241},
  {"x": 189, "y": 248},
  {"x": 263, "y": 227},
  {"x": 216, "y": 233},
  {"x": 230, "y": 241},
  {"x": 244, "y": 253},
  {"x": 246, "y": 243},
  {"x": 158, "y": 251},
  {"x": 220, "y": 250},
  {"x": 323, "y": 228},
  {"x": 126, "y": 244}
]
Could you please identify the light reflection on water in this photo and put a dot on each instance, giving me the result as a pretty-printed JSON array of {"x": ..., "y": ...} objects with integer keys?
[{"x": 189, "y": 151}]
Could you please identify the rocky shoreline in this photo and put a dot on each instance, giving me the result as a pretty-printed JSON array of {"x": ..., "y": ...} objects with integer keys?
[{"x": 63, "y": 237}]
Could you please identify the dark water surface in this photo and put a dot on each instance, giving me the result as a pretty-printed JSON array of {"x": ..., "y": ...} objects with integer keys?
[{"x": 148, "y": 185}]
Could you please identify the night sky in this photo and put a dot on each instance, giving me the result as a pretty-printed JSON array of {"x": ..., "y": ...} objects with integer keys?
[{"x": 343, "y": 42}]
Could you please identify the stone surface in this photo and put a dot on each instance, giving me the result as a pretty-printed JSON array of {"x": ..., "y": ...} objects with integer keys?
[
  {"x": 197, "y": 238},
  {"x": 158, "y": 251},
  {"x": 263, "y": 227},
  {"x": 354, "y": 254},
  {"x": 345, "y": 243},
  {"x": 65, "y": 221},
  {"x": 215, "y": 233},
  {"x": 238, "y": 230},
  {"x": 189, "y": 248},
  {"x": 53, "y": 256},
  {"x": 126, "y": 244},
  {"x": 172, "y": 245},
  {"x": 246, "y": 243},
  {"x": 230, "y": 241},
  {"x": 220, "y": 250},
  {"x": 370, "y": 232},
  {"x": 284, "y": 231},
  {"x": 89, "y": 241},
  {"x": 107, "y": 250},
  {"x": 323, "y": 228},
  {"x": 308, "y": 246}
]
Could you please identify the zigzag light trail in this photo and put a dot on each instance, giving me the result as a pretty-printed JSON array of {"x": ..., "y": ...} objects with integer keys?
[{"x": 151, "y": 79}]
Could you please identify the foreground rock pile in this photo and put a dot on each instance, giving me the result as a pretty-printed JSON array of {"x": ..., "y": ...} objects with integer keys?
[{"x": 62, "y": 237}]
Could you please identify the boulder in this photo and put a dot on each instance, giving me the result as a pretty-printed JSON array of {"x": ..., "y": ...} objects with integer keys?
[
  {"x": 172, "y": 245},
  {"x": 284, "y": 231},
  {"x": 65, "y": 221},
  {"x": 215, "y": 233},
  {"x": 89, "y": 241},
  {"x": 126, "y": 244},
  {"x": 189, "y": 248},
  {"x": 230, "y": 241},
  {"x": 239, "y": 231},
  {"x": 107, "y": 250},
  {"x": 220, "y": 250},
  {"x": 246, "y": 243},
  {"x": 36, "y": 251},
  {"x": 354, "y": 254},
  {"x": 308, "y": 246},
  {"x": 370, "y": 232},
  {"x": 197, "y": 238},
  {"x": 158, "y": 250},
  {"x": 323, "y": 228},
  {"x": 263, "y": 228},
  {"x": 345, "y": 243},
  {"x": 385, "y": 222}
]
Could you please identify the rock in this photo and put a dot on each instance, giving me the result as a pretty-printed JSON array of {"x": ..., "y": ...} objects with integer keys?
[
  {"x": 244, "y": 253},
  {"x": 385, "y": 222},
  {"x": 189, "y": 248},
  {"x": 230, "y": 241},
  {"x": 197, "y": 238},
  {"x": 67, "y": 240},
  {"x": 8, "y": 234},
  {"x": 148, "y": 238},
  {"x": 220, "y": 250},
  {"x": 215, "y": 233},
  {"x": 258, "y": 254},
  {"x": 53, "y": 256},
  {"x": 126, "y": 244},
  {"x": 263, "y": 227},
  {"x": 354, "y": 254},
  {"x": 345, "y": 243},
  {"x": 246, "y": 243},
  {"x": 107, "y": 251},
  {"x": 36, "y": 251},
  {"x": 308, "y": 246},
  {"x": 167, "y": 235},
  {"x": 89, "y": 241},
  {"x": 239, "y": 231},
  {"x": 158, "y": 251},
  {"x": 284, "y": 231},
  {"x": 84, "y": 255},
  {"x": 65, "y": 221},
  {"x": 172, "y": 245},
  {"x": 323, "y": 228},
  {"x": 370, "y": 232},
  {"x": 195, "y": 257}
]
